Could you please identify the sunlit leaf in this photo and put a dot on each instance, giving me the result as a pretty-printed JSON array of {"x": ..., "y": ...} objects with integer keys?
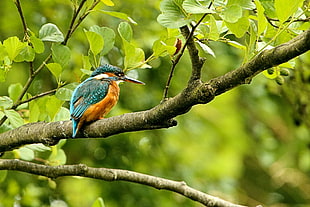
[
  {"x": 34, "y": 111},
  {"x": 14, "y": 118},
  {"x": 57, "y": 157},
  {"x": 98, "y": 203},
  {"x": 64, "y": 93},
  {"x": 108, "y": 36},
  {"x": 5, "y": 102},
  {"x": 206, "y": 48},
  {"x": 26, "y": 54},
  {"x": 95, "y": 41},
  {"x": 214, "y": 32},
  {"x": 261, "y": 19},
  {"x": 236, "y": 45},
  {"x": 286, "y": 8},
  {"x": 13, "y": 46},
  {"x": 62, "y": 115},
  {"x": 25, "y": 153},
  {"x": 37, "y": 44},
  {"x": 108, "y": 2},
  {"x": 240, "y": 27},
  {"x": 38, "y": 147},
  {"x": 119, "y": 15},
  {"x": 172, "y": 15},
  {"x": 125, "y": 31},
  {"x": 245, "y": 4},
  {"x": 55, "y": 69},
  {"x": 61, "y": 54},
  {"x": 50, "y": 32},
  {"x": 15, "y": 90},
  {"x": 232, "y": 13},
  {"x": 3, "y": 52},
  {"x": 195, "y": 7},
  {"x": 53, "y": 106}
]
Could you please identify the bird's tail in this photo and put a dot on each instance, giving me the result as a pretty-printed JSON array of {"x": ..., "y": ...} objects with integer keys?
[{"x": 74, "y": 127}]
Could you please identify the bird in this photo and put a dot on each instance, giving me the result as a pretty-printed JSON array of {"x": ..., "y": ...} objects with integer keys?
[{"x": 95, "y": 97}]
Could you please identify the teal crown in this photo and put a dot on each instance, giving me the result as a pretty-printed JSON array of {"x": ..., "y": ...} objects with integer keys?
[{"x": 106, "y": 68}]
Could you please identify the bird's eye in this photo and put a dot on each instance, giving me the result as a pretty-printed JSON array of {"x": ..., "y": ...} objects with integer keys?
[{"x": 119, "y": 74}]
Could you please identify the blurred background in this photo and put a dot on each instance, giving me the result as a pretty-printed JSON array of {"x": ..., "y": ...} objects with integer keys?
[{"x": 250, "y": 145}]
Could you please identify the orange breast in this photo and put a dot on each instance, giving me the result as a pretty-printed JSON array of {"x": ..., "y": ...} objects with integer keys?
[{"x": 100, "y": 109}]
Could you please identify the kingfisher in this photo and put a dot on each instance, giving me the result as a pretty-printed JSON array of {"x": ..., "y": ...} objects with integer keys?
[{"x": 96, "y": 96}]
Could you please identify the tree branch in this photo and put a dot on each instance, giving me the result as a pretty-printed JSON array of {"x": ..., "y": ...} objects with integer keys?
[
  {"x": 115, "y": 175},
  {"x": 161, "y": 116}
]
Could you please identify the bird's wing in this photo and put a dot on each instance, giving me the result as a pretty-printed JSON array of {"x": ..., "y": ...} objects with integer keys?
[{"x": 89, "y": 92}]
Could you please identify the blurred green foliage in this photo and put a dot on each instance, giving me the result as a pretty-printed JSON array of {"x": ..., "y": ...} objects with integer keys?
[{"x": 250, "y": 145}]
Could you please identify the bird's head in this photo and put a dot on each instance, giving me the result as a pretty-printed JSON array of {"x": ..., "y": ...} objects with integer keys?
[{"x": 113, "y": 73}]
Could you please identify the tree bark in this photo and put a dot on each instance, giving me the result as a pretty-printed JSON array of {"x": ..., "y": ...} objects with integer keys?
[{"x": 161, "y": 116}]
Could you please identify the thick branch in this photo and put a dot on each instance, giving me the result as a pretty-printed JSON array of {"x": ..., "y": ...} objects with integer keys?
[
  {"x": 115, "y": 175},
  {"x": 161, "y": 115},
  {"x": 261, "y": 62}
]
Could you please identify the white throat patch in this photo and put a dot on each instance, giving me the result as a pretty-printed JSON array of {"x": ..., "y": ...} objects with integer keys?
[{"x": 101, "y": 76}]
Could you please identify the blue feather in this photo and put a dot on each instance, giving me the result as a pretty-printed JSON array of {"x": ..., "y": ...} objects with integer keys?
[{"x": 89, "y": 92}]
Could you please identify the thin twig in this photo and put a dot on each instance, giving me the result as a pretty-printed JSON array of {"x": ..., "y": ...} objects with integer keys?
[
  {"x": 178, "y": 57},
  {"x": 33, "y": 72},
  {"x": 107, "y": 174},
  {"x": 20, "y": 11},
  {"x": 38, "y": 96},
  {"x": 82, "y": 17},
  {"x": 75, "y": 14}
]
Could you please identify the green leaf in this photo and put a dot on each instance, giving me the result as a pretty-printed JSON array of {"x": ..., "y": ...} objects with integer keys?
[
  {"x": 164, "y": 47},
  {"x": 286, "y": 8},
  {"x": 34, "y": 111},
  {"x": 119, "y": 15},
  {"x": 236, "y": 45},
  {"x": 108, "y": 2},
  {"x": 214, "y": 32},
  {"x": 57, "y": 157},
  {"x": 98, "y": 203},
  {"x": 25, "y": 153},
  {"x": 61, "y": 54},
  {"x": 195, "y": 7},
  {"x": 206, "y": 49},
  {"x": 38, "y": 147},
  {"x": 133, "y": 56},
  {"x": 53, "y": 106},
  {"x": 64, "y": 93},
  {"x": 13, "y": 46},
  {"x": 3, "y": 174},
  {"x": 37, "y": 44},
  {"x": 15, "y": 90},
  {"x": 3, "y": 52},
  {"x": 5, "y": 102},
  {"x": 232, "y": 13},
  {"x": 62, "y": 115},
  {"x": 43, "y": 113},
  {"x": 26, "y": 54},
  {"x": 172, "y": 15},
  {"x": 261, "y": 19},
  {"x": 270, "y": 11},
  {"x": 245, "y": 4},
  {"x": 50, "y": 32},
  {"x": 95, "y": 41},
  {"x": 14, "y": 118},
  {"x": 55, "y": 69},
  {"x": 125, "y": 31},
  {"x": 108, "y": 36},
  {"x": 240, "y": 27}
]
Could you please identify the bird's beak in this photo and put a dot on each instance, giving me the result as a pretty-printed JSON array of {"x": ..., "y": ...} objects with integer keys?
[{"x": 131, "y": 80}]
